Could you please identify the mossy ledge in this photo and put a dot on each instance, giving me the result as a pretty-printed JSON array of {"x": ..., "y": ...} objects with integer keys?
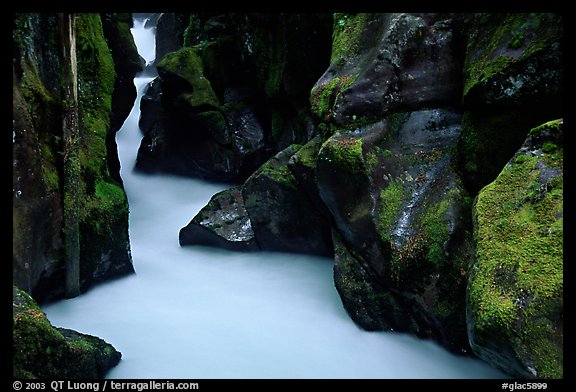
[
  {"x": 41, "y": 351},
  {"x": 515, "y": 291}
]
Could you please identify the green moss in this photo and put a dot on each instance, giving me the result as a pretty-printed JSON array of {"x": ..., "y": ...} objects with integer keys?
[
  {"x": 279, "y": 173},
  {"x": 80, "y": 345},
  {"x": 37, "y": 346},
  {"x": 546, "y": 27},
  {"x": 324, "y": 96},
  {"x": 49, "y": 171},
  {"x": 95, "y": 64},
  {"x": 435, "y": 225},
  {"x": 96, "y": 78},
  {"x": 105, "y": 208},
  {"x": 517, "y": 40},
  {"x": 486, "y": 142},
  {"x": 265, "y": 43},
  {"x": 308, "y": 154},
  {"x": 345, "y": 152},
  {"x": 391, "y": 199},
  {"x": 32, "y": 87},
  {"x": 110, "y": 194},
  {"x": 517, "y": 284},
  {"x": 371, "y": 159},
  {"x": 493, "y": 34},
  {"x": 482, "y": 71},
  {"x": 347, "y": 35},
  {"x": 103, "y": 204},
  {"x": 44, "y": 352},
  {"x": 554, "y": 126},
  {"x": 186, "y": 64}
]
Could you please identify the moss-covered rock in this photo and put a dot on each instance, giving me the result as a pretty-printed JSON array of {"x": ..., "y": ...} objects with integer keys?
[
  {"x": 370, "y": 305},
  {"x": 513, "y": 74},
  {"x": 387, "y": 63},
  {"x": 260, "y": 68},
  {"x": 295, "y": 225},
  {"x": 512, "y": 58},
  {"x": 515, "y": 292},
  {"x": 38, "y": 158},
  {"x": 170, "y": 29},
  {"x": 269, "y": 212},
  {"x": 185, "y": 128},
  {"x": 105, "y": 249},
  {"x": 401, "y": 211},
  {"x": 44, "y": 352},
  {"x": 302, "y": 165},
  {"x": 182, "y": 73}
]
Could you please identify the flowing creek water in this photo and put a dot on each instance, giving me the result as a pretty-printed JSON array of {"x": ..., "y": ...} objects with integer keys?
[{"x": 204, "y": 313}]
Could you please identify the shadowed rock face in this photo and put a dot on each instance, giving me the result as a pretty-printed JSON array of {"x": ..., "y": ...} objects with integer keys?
[
  {"x": 386, "y": 63},
  {"x": 390, "y": 103},
  {"x": 38, "y": 247},
  {"x": 513, "y": 78},
  {"x": 400, "y": 210},
  {"x": 116, "y": 27},
  {"x": 234, "y": 95},
  {"x": 282, "y": 215}
]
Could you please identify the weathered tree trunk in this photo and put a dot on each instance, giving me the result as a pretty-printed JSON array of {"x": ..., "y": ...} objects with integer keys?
[{"x": 70, "y": 136}]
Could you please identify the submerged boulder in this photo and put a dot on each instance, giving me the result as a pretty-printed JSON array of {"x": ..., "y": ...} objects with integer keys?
[
  {"x": 44, "y": 352},
  {"x": 515, "y": 292},
  {"x": 268, "y": 212},
  {"x": 223, "y": 223}
]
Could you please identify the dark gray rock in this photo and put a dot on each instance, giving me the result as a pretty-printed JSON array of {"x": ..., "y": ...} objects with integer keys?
[
  {"x": 38, "y": 245},
  {"x": 283, "y": 218},
  {"x": 259, "y": 69},
  {"x": 126, "y": 64},
  {"x": 397, "y": 62},
  {"x": 513, "y": 81},
  {"x": 371, "y": 306},
  {"x": 268, "y": 212},
  {"x": 222, "y": 223},
  {"x": 400, "y": 209},
  {"x": 150, "y": 106},
  {"x": 169, "y": 29}
]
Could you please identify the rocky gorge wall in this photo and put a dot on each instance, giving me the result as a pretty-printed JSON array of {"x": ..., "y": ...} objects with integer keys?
[
  {"x": 423, "y": 152},
  {"x": 416, "y": 117},
  {"x": 106, "y": 64}
]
